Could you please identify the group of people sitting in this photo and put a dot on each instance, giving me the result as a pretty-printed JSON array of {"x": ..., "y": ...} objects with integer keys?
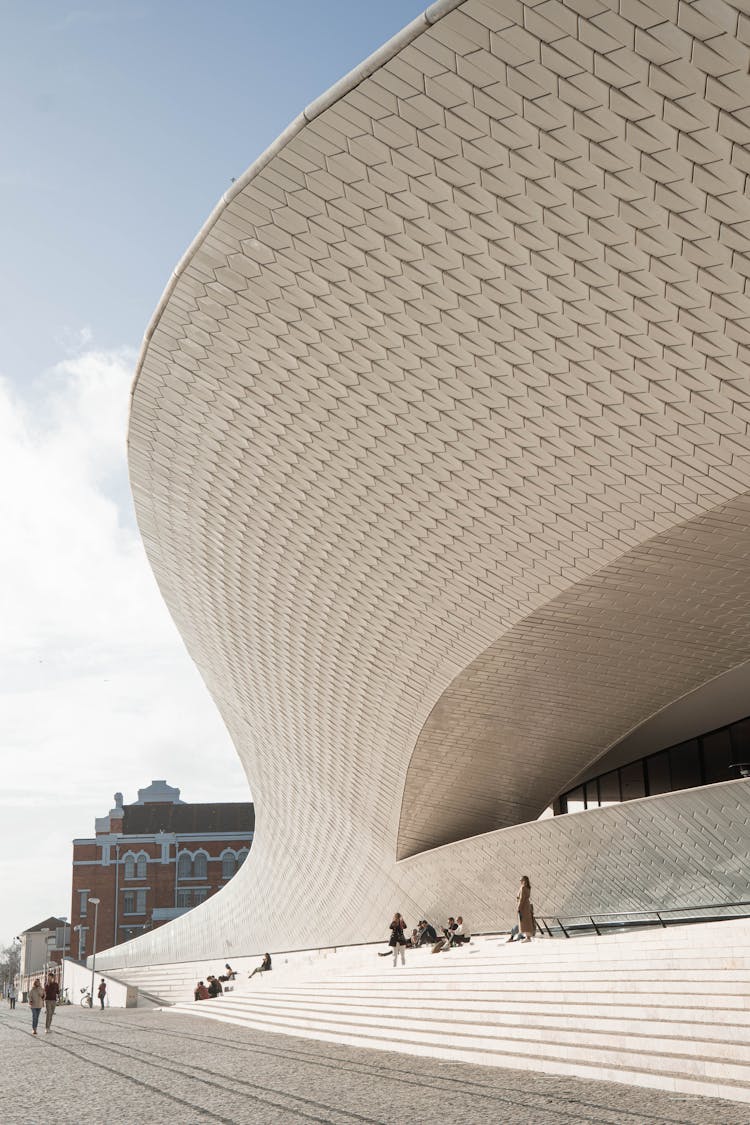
[
  {"x": 217, "y": 985},
  {"x": 453, "y": 934},
  {"x": 210, "y": 990}
]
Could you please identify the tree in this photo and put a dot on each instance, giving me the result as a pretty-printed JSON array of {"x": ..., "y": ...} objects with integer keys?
[{"x": 10, "y": 958}]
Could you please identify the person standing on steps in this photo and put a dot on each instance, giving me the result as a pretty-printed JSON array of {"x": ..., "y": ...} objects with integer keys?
[
  {"x": 525, "y": 909},
  {"x": 51, "y": 996},
  {"x": 398, "y": 939},
  {"x": 36, "y": 1003},
  {"x": 102, "y": 991}
]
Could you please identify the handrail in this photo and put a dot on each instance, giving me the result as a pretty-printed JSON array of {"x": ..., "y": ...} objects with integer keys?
[{"x": 601, "y": 921}]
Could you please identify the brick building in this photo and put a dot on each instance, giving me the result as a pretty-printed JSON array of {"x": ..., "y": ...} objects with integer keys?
[{"x": 151, "y": 861}]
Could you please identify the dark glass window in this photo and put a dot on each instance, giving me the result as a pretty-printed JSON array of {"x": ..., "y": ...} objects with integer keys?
[
  {"x": 575, "y": 800},
  {"x": 632, "y": 781},
  {"x": 713, "y": 757},
  {"x": 685, "y": 764},
  {"x": 717, "y": 756},
  {"x": 657, "y": 773},
  {"x": 740, "y": 745},
  {"x": 609, "y": 788}
]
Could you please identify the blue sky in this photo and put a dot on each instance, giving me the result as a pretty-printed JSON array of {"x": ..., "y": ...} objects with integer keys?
[{"x": 121, "y": 126}]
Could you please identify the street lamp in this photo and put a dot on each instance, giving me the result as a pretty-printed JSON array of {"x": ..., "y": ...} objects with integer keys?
[
  {"x": 19, "y": 990},
  {"x": 95, "y": 903}
]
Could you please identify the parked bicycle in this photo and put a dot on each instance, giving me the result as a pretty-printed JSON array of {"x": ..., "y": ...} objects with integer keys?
[{"x": 86, "y": 1001}]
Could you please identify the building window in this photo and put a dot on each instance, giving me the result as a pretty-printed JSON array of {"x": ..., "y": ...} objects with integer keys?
[
  {"x": 184, "y": 897},
  {"x": 184, "y": 865},
  {"x": 632, "y": 781},
  {"x": 200, "y": 866},
  {"x": 82, "y": 931},
  {"x": 609, "y": 788},
  {"x": 713, "y": 757},
  {"x": 575, "y": 800},
  {"x": 200, "y": 894},
  {"x": 657, "y": 769},
  {"x": 140, "y": 870},
  {"x": 140, "y": 902},
  {"x": 129, "y": 862},
  {"x": 242, "y": 856},
  {"x": 84, "y": 903},
  {"x": 685, "y": 764},
  {"x": 228, "y": 864},
  {"x": 128, "y": 902}
]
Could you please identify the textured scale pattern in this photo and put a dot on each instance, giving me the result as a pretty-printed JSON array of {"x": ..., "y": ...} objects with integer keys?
[{"x": 439, "y": 448}]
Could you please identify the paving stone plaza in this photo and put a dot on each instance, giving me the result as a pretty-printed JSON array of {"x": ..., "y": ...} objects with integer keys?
[{"x": 145, "y": 1068}]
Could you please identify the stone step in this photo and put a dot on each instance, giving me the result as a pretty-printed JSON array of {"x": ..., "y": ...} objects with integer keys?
[
  {"x": 665, "y": 1071},
  {"x": 527, "y": 961},
  {"x": 677, "y": 1037},
  {"x": 564, "y": 989},
  {"x": 692, "y": 1023}
]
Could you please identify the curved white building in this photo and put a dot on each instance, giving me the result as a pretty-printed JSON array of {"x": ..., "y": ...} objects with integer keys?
[{"x": 439, "y": 448}]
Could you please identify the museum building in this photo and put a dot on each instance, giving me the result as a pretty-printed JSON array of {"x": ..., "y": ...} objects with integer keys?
[{"x": 439, "y": 450}]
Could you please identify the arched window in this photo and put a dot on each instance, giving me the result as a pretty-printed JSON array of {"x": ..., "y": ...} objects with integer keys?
[
  {"x": 140, "y": 867},
  {"x": 184, "y": 865},
  {"x": 129, "y": 862},
  {"x": 241, "y": 857},
  {"x": 228, "y": 864},
  {"x": 200, "y": 865}
]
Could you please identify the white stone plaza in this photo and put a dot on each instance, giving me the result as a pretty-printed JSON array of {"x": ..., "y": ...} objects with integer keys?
[{"x": 154, "y": 1069}]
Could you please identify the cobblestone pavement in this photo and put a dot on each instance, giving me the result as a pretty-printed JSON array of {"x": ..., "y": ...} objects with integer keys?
[{"x": 148, "y": 1068}]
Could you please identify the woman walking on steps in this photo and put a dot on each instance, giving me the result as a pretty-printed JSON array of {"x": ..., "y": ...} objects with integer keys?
[
  {"x": 398, "y": 940},
  {"x": 525, "y": 909}
]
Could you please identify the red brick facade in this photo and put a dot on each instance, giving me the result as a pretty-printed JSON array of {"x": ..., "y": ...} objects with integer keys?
[{"x": 151, "y": 861}]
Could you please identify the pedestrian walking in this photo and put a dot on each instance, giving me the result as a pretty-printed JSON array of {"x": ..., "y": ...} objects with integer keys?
[
  {"x": 397, "y": 940},
  {"x": 102, "y": 991},
  {"x": 36, "y": 1003},
  {"x": 525, "y": 909},
  {"x": 12, "y": 997},
  {"x": 51, "y": 996}
]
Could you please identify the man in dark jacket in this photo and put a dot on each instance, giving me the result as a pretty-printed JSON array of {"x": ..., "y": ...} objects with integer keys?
[
  {"x": 428, "y": 934},
  {"x": 51, "y": 996}
]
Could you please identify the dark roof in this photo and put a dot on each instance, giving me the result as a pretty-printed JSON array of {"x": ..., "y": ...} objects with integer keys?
[
  {"x": 144, "y": 820},
  {"x": 47, "y": 924}
]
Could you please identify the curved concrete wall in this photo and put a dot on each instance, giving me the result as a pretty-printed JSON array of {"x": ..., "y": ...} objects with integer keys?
[{"x": 446, "y": 402}]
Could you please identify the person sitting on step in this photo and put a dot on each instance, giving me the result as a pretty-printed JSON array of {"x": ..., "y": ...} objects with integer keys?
[
  {"x": 427, "y": 933},
  {"x": 214, "y": 987},
  {"x": 446, "y": 941},
  {"x": 460, "y": 934},
  {"x": 264, "y": 967}
]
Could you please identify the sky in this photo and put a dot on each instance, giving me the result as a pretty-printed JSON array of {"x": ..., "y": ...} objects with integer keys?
[{"x": 122, "y": 125}]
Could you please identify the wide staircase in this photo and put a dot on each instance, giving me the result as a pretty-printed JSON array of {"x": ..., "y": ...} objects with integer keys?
[{"x": 663, "y": 1008}]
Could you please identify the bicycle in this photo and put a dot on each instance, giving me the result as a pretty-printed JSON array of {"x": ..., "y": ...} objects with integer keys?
[{"x": 86, "y": 1000}]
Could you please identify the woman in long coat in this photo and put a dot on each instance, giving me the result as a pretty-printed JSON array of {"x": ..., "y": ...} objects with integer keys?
[{"x": 525, "y": 909}]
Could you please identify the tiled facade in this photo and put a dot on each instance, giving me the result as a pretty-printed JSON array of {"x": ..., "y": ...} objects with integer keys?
[{"x": 439, "y": 449}]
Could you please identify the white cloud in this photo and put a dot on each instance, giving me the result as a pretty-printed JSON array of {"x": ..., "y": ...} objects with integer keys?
[{"x": 97, "y": 693}]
